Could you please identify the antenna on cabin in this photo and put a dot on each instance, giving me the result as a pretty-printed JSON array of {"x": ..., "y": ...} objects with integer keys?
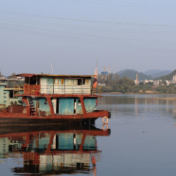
[{"x": 51, "y": 66}]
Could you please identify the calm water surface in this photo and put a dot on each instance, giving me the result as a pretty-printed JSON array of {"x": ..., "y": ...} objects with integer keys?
[{"x": 141, "y": 141}]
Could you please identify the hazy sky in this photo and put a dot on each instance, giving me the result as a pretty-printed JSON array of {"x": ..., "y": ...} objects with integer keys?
[{"x": 74, "y": 33}]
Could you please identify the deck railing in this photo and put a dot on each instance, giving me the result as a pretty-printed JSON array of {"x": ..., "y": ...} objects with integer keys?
[{"x": 56, "y": 89}]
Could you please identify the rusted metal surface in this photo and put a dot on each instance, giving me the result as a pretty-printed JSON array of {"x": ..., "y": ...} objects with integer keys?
[
  {"x": 2, "y": 107},
  {"x": 12, "y": 118},
  {"x": 92, "y": 115},
  {"x": 58, "y": 95},
  {"x": 31, "y": 89},
  {"x": 50, "y": 106},
  {"x": 48, "y": 75},
  {"x": 56, "y": 89},
  {"x": 17, "y": 109},
  {"x": 39, "y": 106},
  {"x": 18, "y": 133},
  {"x": 24, "y": 100},
  {"x": 28, "y": 75}
]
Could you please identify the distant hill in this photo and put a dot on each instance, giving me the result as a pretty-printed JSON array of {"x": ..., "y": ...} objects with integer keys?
[
  {"x": 131, "y": 74},
  {"x": 157, "y": 73},
  {"x": 169, "y": 76},
  {"x": 122, "y": 71}
]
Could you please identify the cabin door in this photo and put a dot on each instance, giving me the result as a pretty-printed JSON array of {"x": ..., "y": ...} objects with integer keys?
[
  {"x": 90, "y": 104},
  {"x": 43, "y": 83},
  {"x": 66, "y": 106}
]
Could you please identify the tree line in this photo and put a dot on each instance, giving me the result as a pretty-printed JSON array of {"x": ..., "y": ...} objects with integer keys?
[{"x": 113, "y": 83}]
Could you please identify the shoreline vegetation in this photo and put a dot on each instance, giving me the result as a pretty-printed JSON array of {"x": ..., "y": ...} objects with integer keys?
[{"x": 112, "y": 84}]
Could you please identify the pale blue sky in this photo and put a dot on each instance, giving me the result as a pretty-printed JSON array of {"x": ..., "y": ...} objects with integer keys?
[{"x": 74, "y": 33}]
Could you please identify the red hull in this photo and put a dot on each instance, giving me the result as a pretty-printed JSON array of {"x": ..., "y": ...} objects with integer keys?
[{"x": 20, "y": 118}]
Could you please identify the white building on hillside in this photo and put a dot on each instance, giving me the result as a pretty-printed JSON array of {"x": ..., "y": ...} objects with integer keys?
[{"x": 174, "y": 79}]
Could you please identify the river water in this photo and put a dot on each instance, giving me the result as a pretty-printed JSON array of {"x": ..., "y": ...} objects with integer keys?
[{"x": 141, "y": 140}]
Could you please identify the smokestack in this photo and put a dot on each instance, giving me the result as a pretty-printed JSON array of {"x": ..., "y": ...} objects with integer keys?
[{"x": 137, "y": 81}]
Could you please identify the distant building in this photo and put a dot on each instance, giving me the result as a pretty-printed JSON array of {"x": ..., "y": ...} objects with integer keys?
[
  {"x": 148, "y": 81},
  {"x": 16, "y": 78},
  {"x": 174, "y": 79},
  {"x": 1, "y": 76},
  {"x": 7, "y": 95},
  {"x": 101, "y": 84},
  {"x": 104, "y": 74},
  {"x": 157, "y": 82},
  {"x": 168, "y": 82},
  {"x": 136, "y": 81}
]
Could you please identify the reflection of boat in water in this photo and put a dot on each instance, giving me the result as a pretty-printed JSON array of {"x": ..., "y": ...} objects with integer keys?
[
  {"x": 50, "y": 99},
  {"x": 53, "y": 150}
]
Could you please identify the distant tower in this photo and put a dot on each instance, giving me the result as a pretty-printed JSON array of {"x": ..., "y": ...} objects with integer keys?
[
  {"x": 0, "y": 74},
  {"x": 137, "y": 81}
]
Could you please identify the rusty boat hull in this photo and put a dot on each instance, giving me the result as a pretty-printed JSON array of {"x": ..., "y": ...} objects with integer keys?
[
  {"x": 22, "y": 119},
  {"x": 22, "y": 130},
  {"x": 45, "y": 99}
]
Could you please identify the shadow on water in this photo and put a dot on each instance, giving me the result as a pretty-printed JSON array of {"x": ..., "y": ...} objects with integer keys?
[{"x": 51, "y": 149}]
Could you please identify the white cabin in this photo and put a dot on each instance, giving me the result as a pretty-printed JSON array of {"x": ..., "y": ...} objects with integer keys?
[{"x": 57, "y": 84}]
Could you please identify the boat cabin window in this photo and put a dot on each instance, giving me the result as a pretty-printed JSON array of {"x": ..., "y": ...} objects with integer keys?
[
  {"x": 33, "y": 80},
  {"x": 81, "y": 81},
  {"x": 3, "y": 81},
  {"x": 11, "y": 93}
]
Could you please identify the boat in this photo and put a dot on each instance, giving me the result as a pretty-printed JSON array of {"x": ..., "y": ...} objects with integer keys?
[
  {"x": 52, "y": 149},
  {"x": 47, "y": 98}
]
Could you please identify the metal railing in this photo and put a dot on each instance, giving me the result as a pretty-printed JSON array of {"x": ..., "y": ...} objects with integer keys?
[{"x": 56, "y": 89}]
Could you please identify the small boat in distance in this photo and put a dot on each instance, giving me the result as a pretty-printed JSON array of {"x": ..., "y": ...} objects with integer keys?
[{"x": 48, "y": 98}]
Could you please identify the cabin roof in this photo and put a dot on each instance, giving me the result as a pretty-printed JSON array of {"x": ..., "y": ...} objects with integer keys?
[
  {"x": 3, "y": 79},
  {"x": 48, "y": 75}
]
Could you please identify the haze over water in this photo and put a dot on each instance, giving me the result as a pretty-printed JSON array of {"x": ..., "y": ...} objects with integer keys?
[{"x": 142, "y": 139}]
